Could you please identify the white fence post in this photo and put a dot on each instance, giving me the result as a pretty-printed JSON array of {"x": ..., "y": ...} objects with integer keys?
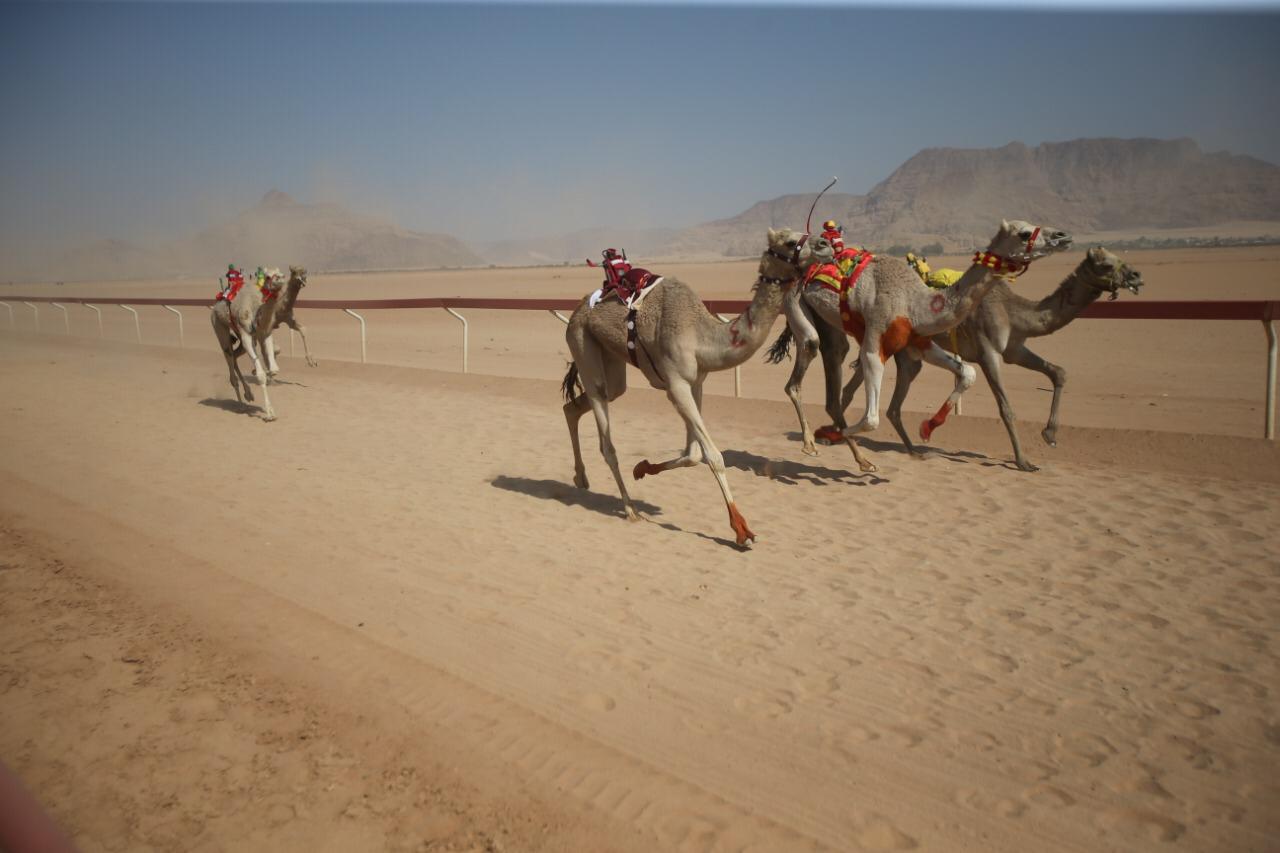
[
  {"x": 737, "y": 371},
  {"x": 37, "y": 313},
  {"x": 363, "y": 356},
  {"x": 95, "y": 309},
  {"x": 66, "y": 321},
  {"x": 464, "y": 336},
  {"x": 181, "y": 341},
  {"x": 12, "y": 324},
  {"x": 1269, "y": 420},
  {"x": 137, "y": 324}
]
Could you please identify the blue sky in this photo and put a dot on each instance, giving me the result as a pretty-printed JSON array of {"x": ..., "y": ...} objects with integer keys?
[{"x": 148, "y": 121}]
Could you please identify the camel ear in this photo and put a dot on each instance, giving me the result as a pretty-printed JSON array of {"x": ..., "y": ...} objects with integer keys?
[
  {"x": 775, "y": 236},
  {"x": 1097, "y": 254},
  {"x": 1004, "y": 225}
]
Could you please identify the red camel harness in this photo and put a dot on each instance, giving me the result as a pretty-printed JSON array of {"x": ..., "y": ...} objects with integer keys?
[{"x": 841, "y": 277}]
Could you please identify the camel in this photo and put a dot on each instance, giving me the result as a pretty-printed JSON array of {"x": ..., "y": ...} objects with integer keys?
[
  {"x": 284, "y": 317},
  {"x": 675, "y": 342},
  {"x": 245, "y": 325},
  {"x": 887, "y": 308},
  {"x": 999, "y": 327}
]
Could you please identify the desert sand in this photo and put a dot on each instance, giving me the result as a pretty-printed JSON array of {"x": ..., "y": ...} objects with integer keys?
[{"x": 389, "y": 621}]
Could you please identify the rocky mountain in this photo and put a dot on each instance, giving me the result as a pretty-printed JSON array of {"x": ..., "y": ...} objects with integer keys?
[{"x": 957, "y": 196}]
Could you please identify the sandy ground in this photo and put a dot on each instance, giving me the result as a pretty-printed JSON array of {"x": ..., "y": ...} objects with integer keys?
[{"x": 389, "y": 621}]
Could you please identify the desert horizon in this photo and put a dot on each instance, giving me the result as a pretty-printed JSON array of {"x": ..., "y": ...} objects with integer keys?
[{"x": 492, "y": 580}]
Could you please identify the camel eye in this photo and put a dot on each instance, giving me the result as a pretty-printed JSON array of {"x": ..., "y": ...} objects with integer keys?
[{"x": 1025, "y": 235}]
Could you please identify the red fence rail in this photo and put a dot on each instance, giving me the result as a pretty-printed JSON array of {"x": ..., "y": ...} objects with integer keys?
[{"x": 1266, "y": 311}]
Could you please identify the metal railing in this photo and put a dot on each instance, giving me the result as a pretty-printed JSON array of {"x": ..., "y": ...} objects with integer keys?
[{"x": 1266, "y": 311}]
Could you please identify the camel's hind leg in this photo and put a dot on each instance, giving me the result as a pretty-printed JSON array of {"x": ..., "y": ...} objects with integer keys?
[
  {"x": 603, "y": 378},
  {"x": 908, "y": 370},
  {"x": 965, "y": 375}
]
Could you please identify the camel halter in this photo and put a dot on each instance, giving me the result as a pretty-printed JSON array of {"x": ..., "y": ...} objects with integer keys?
[
  {"x": 1008, "y": 268},
  {"x": 1108, "y": 284}
]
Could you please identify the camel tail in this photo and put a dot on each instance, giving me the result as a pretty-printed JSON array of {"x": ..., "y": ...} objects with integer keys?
[
  {"x": 781, "y": 349},
  {"x": 570, "y": 386}
]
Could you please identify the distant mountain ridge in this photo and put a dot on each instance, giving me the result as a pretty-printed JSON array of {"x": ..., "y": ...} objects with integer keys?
[
  {"x": 958, "y": 196},
  {"x": 951, "y": 196},
  {"x": 277, "y": 231}
]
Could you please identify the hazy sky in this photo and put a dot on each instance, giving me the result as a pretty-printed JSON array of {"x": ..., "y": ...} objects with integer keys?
[{"x": 148, "y": 121}]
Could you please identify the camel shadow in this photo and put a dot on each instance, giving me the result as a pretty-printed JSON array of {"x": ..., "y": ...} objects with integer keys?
[
  {"x": 793, "y": 473},
  {"x": 924, "y": 451},
  {"x": 234, "y": 406},
  {"x": 570, "y": 495}
]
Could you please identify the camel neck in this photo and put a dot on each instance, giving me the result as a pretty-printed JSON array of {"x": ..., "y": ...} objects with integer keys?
[
  {"x": 738, "y": 340},
  {"x": 1059, "y": 308}
]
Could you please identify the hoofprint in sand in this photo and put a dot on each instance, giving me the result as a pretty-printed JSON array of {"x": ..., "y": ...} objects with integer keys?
[{"x": 1082, "y": 660}]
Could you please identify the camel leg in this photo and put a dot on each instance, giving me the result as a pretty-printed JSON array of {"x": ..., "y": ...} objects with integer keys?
[
  {"x": 685, "y": 399},
  {"x": 965, "y": 375},
  {"x": 692, "y": 448},
  {"x": 603, "y": 378},
  {"x": 794, "y": 382},
  {"x": 573, "y": 412},
  {"x": 834, "y": 345},
  {"x": 1023, "y": 357},
  {"x": 991, "y": 367},
  {"x": 251, "y": 346},
  {"x": 302, "y": 333},
  {"x": 226, "y": 342},
  {"x": 269, "y": 355},
  {"x": 872, "y": 376},
  {"x": 908, "y": 370}
]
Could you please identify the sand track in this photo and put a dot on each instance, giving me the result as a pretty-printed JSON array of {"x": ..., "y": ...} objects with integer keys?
[{"x": 950, "y": 655}]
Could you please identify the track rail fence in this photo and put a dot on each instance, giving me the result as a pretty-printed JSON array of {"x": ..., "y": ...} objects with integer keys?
[{"x": 1265, "y": 311}]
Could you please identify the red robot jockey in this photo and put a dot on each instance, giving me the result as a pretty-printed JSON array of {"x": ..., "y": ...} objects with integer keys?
[{"x": 620, "y": 277}]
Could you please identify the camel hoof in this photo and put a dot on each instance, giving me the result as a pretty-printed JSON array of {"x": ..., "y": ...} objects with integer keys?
[
  {"x": 860, "y": 427},
  {"x": 868, "y": 468},
  {"x": 632, "y": 515},
  {"x": 748, "y": 542},
  {"x": 809, "y": 450},
  {"x": 269, "y": 417},
  {"x": 644, "y": 467},
  {"x": 1024, "y": 465},
  {"x": 1050, "y": 438},
  {"x": 311, "y": 362},
  {"x": 580, "y": 480},
  {"x": 828, "y": 435}
]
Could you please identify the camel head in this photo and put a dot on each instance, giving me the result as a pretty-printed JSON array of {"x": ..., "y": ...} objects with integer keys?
[
  {"x": 790, "y": 253},
  {"x": 1106, "y": 272},
  {"x": 273, "y": 282},
  {"x": 1023, "y": 242},
  {"x": 298, "y": 275}
]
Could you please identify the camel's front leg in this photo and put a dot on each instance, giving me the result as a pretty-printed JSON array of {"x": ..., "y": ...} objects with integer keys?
[
  {"x": 269, "y": 355},
  {"x": 991, "y": 367},
  {"x": 692, "y": 449},
  {"x": 793, "y": 386},
  {"x": 250, "y": 346},
  {"x": 302, "y": 333},
  {"x": 684, "y": 398},
  {"x": 1019, "y": 354},
  {"x": 872, "y": 375},
  {"x": 965, "y": 375}
]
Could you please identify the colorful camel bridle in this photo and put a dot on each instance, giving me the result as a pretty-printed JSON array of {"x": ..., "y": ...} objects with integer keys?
[{"x": 1008, "y": 268}]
